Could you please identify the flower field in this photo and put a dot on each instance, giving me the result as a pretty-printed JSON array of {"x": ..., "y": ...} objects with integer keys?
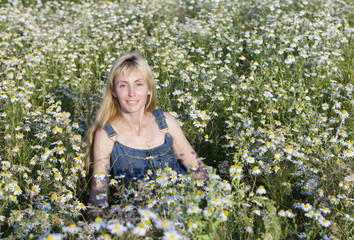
[{"x": 263, "y": 90}]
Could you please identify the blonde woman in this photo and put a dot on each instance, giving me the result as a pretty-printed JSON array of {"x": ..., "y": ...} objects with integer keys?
[{"x": 131, "y": 138}]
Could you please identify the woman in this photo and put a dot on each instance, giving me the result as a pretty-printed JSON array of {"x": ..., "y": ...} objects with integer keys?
[{"x": 130, "y": 137}]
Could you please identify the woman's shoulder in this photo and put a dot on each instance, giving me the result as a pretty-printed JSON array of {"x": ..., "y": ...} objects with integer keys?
[
  {"x": 102, "y": 136},
  {"x": 101, "y": 132},
  {"x": 169, "y": 116},
  {"x": 176, "y": 131},
  {"x": 171, "y": 120}
]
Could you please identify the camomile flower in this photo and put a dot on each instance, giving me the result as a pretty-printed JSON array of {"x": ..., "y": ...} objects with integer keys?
[
  {"x": 235, "y": 169},
  {"x": 250, "y": 159},
  {"x": 113, "y": 182},
  {"x": 106, "y": 236},
  {"x": 5, "y": 165},
  {"x": 216, "y": 201},
  {"x": 147, "y": 223},
  {"x": 73, "y": 229},
  {"x": 249, "y": 229},
  {"x": 199, "y": 183},
  {"x": 257, "y": 212},
  {"x": 75, "y": 147},
  {"x": 306, "y": 207},
  {"x": 19, "y": 136},
  {"x": 344, "y": 114},
  {"x": 194, "y": 210},
  {"x": 325, "y": 210},
  {"x": 17, "y": 190},
  {"x": 7, "y": 136},
  {"x": 191, "y": 226},
  {"x": 172, "y": 235},
  {"x": 225, "y": 185},
  {"x": 46, "y": 206},
  {"x": 57, "y": 176},
  {"x": 302, "y": 235},
  {"x": 255, "y": 171},
  {"x": 282, "y": 213},
  {"x": 139, "y": 229},
  {"x": 261, "y": 190},
  {"x": 57, "y": 130},
  {"x": 164, "y": 224},
  {"x": 325, "y": 106},
  {"x": 15, "y": 149},
  {"x": 14, "y": 99},
  {"x": 288, "y": 60},
  {"x": 349, "y": 179},
  {"x": 223, "y": 215},
  {"x": 101, "y": 177},
  {"x": 98, "y": 224},
  {"x": 349, "y": 153},
  {"x": 80, "y": 207},
  {"x": 311, "y": 184},
  {"x": 324, "y": 222},
  {"x": 237, "y": 176},
  {"x": 146, "y": 213},
  {"x": 207, "y": 212},
  {"x": 117, "y": 228},
  {"x": 193, "y": 168},
  {"x": 61, "y": 150},
  {"x": 101, "y": 196},
  {"x": 53, "y": 236},
  {"x": 129, "y": 208},
  {"x": 309, "y": 214},
  {"x": 115, "y": 208}
]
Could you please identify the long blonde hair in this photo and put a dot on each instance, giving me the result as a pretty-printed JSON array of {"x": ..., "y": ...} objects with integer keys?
[{"x": 110, "y": 107}]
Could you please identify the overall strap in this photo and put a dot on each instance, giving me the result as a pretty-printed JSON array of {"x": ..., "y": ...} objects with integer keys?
[
  {"x": 160, "y": 119},
  {"x": 109, "y": 130}
]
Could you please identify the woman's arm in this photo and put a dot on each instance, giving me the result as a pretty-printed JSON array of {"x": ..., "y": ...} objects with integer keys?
[
  {"x": 102, "y": 148},
  {"x": 184, "y": 150}
]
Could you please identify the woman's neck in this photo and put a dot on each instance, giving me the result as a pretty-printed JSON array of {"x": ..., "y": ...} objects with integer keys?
[{"x": 134, "y": 121}]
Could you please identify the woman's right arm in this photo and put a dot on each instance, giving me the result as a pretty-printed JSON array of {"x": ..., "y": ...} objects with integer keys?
[{"x": 102, "y": 148}]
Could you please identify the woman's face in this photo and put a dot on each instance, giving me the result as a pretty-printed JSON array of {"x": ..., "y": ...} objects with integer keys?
[{"x": 132, "y": 90}]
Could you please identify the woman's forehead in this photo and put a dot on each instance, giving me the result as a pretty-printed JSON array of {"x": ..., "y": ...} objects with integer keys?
[{"x": 127, "y": 73}]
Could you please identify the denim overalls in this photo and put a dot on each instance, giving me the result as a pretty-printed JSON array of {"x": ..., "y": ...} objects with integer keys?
[{"x": 135, "y": 163}]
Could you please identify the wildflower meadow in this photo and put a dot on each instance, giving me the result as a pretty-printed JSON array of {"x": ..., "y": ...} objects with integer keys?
[{"x": 263, "y": 90}]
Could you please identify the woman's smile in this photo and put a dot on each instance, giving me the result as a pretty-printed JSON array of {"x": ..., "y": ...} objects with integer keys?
[{"x": 132, "y": 102}]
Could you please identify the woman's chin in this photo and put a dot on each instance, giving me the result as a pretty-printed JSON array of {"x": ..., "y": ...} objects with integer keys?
[{"x": 133, "y": 109}]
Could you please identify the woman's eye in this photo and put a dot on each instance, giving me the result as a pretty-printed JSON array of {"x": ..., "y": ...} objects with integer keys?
[{"x": 122, "y": 86}]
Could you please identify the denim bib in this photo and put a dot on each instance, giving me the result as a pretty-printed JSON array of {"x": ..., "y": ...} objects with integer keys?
[{"x": 134, "y": 164}]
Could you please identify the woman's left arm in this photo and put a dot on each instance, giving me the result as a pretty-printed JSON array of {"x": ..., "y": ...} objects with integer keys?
[{"x": 184, "y": 151}]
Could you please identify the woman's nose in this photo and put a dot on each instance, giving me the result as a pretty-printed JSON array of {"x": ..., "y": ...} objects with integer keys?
[{"x": 131, "y": 91}]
